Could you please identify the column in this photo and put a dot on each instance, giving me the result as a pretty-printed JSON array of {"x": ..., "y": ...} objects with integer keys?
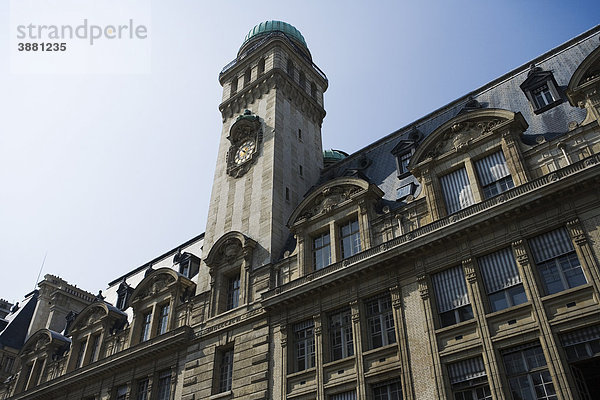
[
  {"x": 477, "y": 294},
  {"x": 334, "y": 243},
  {"x": 364, "y": 226},
  {"x": 473, "y": 181},
  {"x": 319, "y": 355},
  {"x": 547, "y": 339},
  {"x": 284, "y": 360},
  {"x": 435, "y": 358},
  {"x": 357, "y": 333},
  {"x": 584, "y": 252},
  {"x": 245, "y": 269},
  {"x": 514, "y": 159},
  {"x": 402, "y": 342}
]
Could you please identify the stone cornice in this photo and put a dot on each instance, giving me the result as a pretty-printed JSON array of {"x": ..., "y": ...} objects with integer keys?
[
  {"x": 275, "y": 78},
  {"x": 549, "y": 185}
]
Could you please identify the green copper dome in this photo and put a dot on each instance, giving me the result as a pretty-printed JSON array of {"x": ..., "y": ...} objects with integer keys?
[
  {"x": 333, "y": 156},
  {"x": 275, "y": 26}
]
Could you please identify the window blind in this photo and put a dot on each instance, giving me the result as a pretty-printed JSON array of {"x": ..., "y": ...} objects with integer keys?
[
  {"x": 491, "y": 168},
  {"x": 550, "y": 245},
  {"x": 499, "y": 270},
  {"x": 450, "y": 289},
  {"x": 466, "y": 370},
  {"x": 457, "y": 191}
]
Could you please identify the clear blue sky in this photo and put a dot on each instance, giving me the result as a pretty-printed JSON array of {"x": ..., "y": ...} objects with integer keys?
[{"x": 104, "y": 172}]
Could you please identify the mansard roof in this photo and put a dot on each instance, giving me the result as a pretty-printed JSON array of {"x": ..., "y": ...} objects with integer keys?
[{"x": 502, "y": 93}]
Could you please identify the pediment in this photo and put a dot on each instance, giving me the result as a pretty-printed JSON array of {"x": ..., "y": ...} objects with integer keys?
[
  {"x": 329, "y": 196},
  {"x": 461, "y": 132},
  {"x": 41, "y": 340},
  {"x": 230, "y": 247},
  {"x": 535, "y": 79},
  {"x": 89, "y": 315},
  {"x": 154, "y": 283},
  {"x": 586, "y": 73}
]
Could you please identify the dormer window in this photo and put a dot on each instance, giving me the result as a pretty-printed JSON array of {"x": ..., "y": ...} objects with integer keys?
[
  {"x": 542, "y": 96},
  {"x": 404, "y": 150},
  {"x": 402, "y": 161},
  {"x": 123, "y": 293},
  {"x": 541, "y": 89}
]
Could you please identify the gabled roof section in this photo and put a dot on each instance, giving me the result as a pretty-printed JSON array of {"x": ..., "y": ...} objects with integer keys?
[
  {"x": 44, "y": 337},
  {"x": 94, "y": 311}
]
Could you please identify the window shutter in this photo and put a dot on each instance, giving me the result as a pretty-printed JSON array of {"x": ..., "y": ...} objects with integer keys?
[
  {"x": 457, "y": 191},
  {"x": 583, "y": 335},
  {"x": 491, "y": 168},
  {"x": 550, "y": 245},
  {"x": 499, "y": 270},
  {"x": 466, "y": 370},
  {"x": 450, "y": 289},
  {"x": 344, "y": 396}
]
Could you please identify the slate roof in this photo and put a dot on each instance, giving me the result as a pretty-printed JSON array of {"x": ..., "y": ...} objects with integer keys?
[
  {"x": 503, "y": 93},
  {"x": 13, "y": 335}
]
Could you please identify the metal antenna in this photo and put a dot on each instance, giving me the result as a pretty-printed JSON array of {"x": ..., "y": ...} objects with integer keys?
[{"x": 40, "y": 273}]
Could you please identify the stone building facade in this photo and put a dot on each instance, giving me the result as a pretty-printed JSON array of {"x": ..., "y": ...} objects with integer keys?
[{"x": 454, "y": 258}]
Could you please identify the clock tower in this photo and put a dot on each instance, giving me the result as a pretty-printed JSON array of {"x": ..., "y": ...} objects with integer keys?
[{"x": 270, "y": 151}]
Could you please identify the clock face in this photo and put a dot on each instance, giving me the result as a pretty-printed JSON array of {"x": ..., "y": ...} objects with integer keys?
[{"x": 245, "y": 151}]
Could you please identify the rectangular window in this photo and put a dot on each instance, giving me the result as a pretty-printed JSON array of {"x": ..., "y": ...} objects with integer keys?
[
  {"x": 163, "y": 320},
  {"x": 527, "y": 374},
  {"x": 225, "y": 370},
  {"x": 403, "y": 160},
  {"x": 340, "y": 334},
  {"x": 456, "y": 190},
  {"x": 146, "y": 321},
  {"x": 304, "y": 345},
  {"x": 582, "y": 343},
  {"x": 81, "y": 353},
  {"x": 321, "y": 251},
  {"x": 390, "y": 390},
  {"x": 121, "y": 392},
  {"x": 142, "y": 390},
  {"x": 184, "y": 268},
  {"x": 233, "y": 292},
  {"x": 380, "y": 321},
  {"x": 164, "y": 386},
  {"x": 350, "y": 238},
  {"x": 557, "y": 263},
  {"x": 542, "y": 96},
  {"x": 405, "y": 191},
  {"x": 95, "y": 348},
  {"x": 351, "y": 395},
  {"x": 451, "y": 296},
  {"x": 493, "y": 175},
  {"x": 502, "y": 280},
  {"x": 469, "y": 380}
]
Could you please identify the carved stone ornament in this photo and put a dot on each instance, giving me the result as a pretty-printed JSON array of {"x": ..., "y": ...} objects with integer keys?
[
  {"x": 328, "y": 199},
  {"x": 520, "y": 252},
  {"x": 460, "y": 135},
  {"x": 423, "y": 288},
  {"x": 245, "y": 137},
  {"x": 576, "y": 231},
  {"x": 469, "y": 270},
  {"x": 159, "y": 283}
]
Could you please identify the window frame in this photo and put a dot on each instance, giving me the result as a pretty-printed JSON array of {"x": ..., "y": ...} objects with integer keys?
[
  {"x": 354, "y": 233},
  {"x": 225, "y": 369},
  {"x": 342, "y": 333},
  {"x": 385, "y": 334},
  {"x": 163, "y": 319},
  {"x": 145, "y": 327},
  {"x": 304, "y": 356},
  {"x": 316, "y": 250},
  {"x": 393, "y": 390},
  {"x": 528, "y": 372},
  {"x": 233, "y": 291},
  {"x": 164, "y": 376}
]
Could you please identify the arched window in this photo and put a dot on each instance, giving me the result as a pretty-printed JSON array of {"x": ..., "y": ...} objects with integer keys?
[
  {"x": 247, "y": 76},
  {"x": 261, "y": 66}
]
